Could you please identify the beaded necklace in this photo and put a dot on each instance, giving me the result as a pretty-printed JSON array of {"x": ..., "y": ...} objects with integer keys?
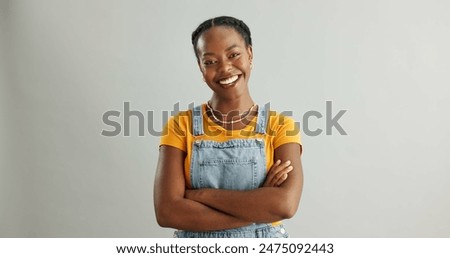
[{"x": 233, "y": 121}]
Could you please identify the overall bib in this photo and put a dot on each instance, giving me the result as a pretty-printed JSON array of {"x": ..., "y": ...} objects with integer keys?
[{"x": 237, "y": 164}]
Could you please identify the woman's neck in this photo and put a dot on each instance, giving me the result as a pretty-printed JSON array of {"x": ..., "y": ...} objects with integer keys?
[{"x": 225, "y": 106}]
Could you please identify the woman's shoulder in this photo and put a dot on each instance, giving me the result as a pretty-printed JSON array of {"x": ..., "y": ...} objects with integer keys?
[
  {"x": 283, "y": 128},
  {"x": 185, "y": 114},
  {"x": 276, "y": 118},
  {"x": 181, "y": 119}
]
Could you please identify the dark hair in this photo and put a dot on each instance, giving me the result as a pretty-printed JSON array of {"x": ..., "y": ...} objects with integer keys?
[{"x": 228, "y": 21}]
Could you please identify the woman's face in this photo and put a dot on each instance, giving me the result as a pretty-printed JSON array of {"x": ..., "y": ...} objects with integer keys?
[{"x": 224, "y": 61}]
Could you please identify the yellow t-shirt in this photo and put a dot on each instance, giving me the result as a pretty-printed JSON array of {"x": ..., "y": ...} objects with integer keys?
[{"x": 178, "y": 133}]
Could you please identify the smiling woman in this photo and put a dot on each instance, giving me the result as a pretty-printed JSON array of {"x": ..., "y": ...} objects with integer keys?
[
  {"x": 229, "y": 167},
  {"x": 225, "y": 61}
]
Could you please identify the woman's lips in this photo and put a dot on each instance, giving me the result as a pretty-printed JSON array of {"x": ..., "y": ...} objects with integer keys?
[{"x": 229, "y": 80}]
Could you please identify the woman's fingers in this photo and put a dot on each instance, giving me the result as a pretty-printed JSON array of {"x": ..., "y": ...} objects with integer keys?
[
  {"x": 272, "y": 172},
  {"x": 283, "y": 175},
  {"x": 278, "y": 173}
]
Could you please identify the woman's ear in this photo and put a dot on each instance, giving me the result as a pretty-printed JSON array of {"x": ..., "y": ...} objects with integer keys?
[{"x": 250, "y": 53}]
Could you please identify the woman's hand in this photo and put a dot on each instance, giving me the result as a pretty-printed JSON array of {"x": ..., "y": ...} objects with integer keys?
[{"x": 278, "y": 173}]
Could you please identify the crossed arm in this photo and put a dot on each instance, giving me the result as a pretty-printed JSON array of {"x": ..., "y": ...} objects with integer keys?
[{"x": 217, "y": 209}]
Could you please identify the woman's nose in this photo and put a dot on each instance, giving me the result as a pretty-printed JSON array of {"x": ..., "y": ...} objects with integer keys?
[{"x": 225, "y": 66}]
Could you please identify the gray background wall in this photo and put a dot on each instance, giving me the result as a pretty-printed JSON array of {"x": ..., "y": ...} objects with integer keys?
[{"x": 64, "y": 63}]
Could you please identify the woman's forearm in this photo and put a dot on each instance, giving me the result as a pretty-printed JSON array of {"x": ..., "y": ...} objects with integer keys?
[
  {"x": 263, "y": 205},
  {"x": 190, "y": 215}
]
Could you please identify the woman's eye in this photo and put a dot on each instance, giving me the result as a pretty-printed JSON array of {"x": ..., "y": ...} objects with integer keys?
[
  {"x": 208, "y": 62},
  {"x": 234, "y": 55}
]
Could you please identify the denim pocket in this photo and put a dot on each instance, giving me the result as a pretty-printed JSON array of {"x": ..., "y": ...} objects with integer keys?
[{"x": 231, "y": 174}]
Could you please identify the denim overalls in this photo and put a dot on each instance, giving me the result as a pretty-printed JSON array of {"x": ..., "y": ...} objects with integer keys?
[{"x": 237, "y": 164}]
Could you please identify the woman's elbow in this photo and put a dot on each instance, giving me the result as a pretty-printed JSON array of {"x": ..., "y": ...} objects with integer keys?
[
  {"x": 287, "y": 208},
  {"x": 290, "y": 211},
  {"x": 165, "y": 217},
  {"x": 162, "y": 219},
  {"x": 286, "y": 212}
]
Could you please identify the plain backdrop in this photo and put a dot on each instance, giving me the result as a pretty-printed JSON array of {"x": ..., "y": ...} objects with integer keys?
[{"x": 63, "y": 64}]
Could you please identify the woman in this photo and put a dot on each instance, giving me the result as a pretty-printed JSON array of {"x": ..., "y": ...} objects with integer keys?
[{"x": 227, "y": 168}]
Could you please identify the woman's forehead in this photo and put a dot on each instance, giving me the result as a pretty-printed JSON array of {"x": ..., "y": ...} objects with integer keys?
[{"x": 219, "y": 38}]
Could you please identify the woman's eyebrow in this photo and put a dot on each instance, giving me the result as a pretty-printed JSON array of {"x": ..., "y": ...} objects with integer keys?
[
  {"x": 231, "y": 47},
  {"x": 227, "y": 49}
]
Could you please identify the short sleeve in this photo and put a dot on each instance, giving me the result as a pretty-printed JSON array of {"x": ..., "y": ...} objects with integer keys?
[
  {"x": 285, "y": 130},
  {"x": 175, "y": 133}
]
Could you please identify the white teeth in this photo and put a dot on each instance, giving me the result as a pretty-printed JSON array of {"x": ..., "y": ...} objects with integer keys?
[{"x": 229, "y": 80}]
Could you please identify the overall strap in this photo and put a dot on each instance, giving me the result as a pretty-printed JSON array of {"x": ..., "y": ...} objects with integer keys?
[
  {"x": 263, "y": 116},
  {"x": 197, "y": 120}
]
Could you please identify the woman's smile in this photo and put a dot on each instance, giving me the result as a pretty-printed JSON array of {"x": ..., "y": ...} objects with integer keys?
[{"x": 230, "y": 81}]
